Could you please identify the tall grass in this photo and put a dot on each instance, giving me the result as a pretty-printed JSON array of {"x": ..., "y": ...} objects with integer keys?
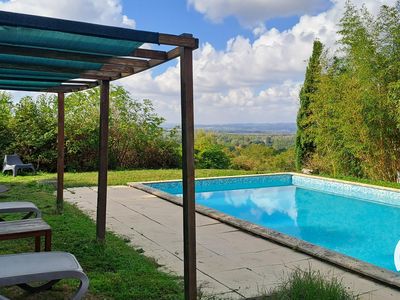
[{"x": 310, "y": 285}]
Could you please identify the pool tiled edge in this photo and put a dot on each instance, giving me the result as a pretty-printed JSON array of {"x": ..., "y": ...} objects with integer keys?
[
  {"x": 343, "y": 188},
  {"x": 356, "y": 266},
  {"x": 208, "y": 184}
]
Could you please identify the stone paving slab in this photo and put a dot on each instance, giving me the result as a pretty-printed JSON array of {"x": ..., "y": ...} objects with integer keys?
[{"x": 231, "y": 264}]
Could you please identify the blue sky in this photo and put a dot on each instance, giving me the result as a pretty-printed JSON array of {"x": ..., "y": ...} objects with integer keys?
[
  {"x": 181, "y": 16},
  {"x": 176, "y": 16},
  {"x": 252, "y": 56}
]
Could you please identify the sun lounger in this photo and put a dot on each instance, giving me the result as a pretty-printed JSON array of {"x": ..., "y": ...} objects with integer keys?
[
  {"x": 37, "y": 228},
  {"x": 20, "y": 207},
  {"x": 14, "y": 163},
  {"x": 51, "y": 267}
]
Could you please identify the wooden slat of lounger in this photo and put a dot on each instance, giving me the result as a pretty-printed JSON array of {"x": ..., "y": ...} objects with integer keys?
[{"x": 29, "y": 225}]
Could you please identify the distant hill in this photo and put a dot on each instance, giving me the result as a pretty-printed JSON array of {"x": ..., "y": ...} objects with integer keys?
[{"x": 249, "y": 128}]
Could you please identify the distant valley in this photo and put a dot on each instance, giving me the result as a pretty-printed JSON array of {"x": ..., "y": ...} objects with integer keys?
[{"x": 246, "y": 128}]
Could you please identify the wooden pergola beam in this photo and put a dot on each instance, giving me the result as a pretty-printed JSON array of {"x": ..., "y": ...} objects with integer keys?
[
  {"x": 20, "y": 78},
  {"x": 57, "y": 89},
  {"x": 118, "y": 68},
  {"x": 39, "y": 68},
  {"x": 44, "y": 87},
  {"x": 88, "y": 74},
  {"x": 60, "y": 150},
  {"x": 147, "y": 53},
  {"x": 183, "y": 40},
  {"x": 172, "y": 54},
  {"x": 74, "y": 56},
  {"x": 95, "y": 75},
  {"x": 21, "y": 88},
  {"x": 69, "y": 88},
  {"x": 188, "y": 176},
  {"x": 103, "y": 161}
]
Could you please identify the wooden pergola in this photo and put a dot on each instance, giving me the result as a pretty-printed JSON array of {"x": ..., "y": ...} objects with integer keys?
[{"x": 40, "y": 54}]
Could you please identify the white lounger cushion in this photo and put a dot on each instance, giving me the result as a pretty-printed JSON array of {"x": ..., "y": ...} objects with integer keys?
[
  {"x": 19, "y": 206},
  {"x": 41, "y": 266}
]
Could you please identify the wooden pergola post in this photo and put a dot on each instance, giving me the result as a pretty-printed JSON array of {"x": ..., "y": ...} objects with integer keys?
[
  {"x": 103, "y": 161},
  {"x": 189, "y": 212},
  {"x": 60, "y": 157}
]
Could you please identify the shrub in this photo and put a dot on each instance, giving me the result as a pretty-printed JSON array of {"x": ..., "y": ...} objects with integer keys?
[
  {"x": 213, "y": 158},
  {"x": 6, "y": 136},
  {"x": 34, "y": 127},
  {"x": 310, "y": 285},
  {"x": 263, "y": 158},
  {"x": 284, "y": 161}
]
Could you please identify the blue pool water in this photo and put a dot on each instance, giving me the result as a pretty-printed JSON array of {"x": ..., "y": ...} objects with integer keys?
[{"x": 354, "y": 226}]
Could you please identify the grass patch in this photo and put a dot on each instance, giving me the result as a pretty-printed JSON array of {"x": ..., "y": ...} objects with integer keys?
[
  {"x": 310, "y": 285},
  {"x": 115, "y": 270},
  {"x": 123, "y": 177},
  {"x": 120, "y": 177}
]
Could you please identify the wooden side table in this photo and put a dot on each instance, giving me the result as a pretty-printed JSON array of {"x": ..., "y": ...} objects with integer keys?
[{"x": 10, "y": 230}]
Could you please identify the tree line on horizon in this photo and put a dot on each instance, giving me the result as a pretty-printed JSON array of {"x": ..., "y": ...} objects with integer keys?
[{"x": 349, "y": 116}]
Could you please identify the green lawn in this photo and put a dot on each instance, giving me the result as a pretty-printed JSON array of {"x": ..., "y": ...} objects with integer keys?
[
  {"x": 119, "y": 177},
  {"x": 115, "y": 270}
]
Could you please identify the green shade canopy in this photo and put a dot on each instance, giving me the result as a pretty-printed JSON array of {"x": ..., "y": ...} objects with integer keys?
[{"x": 50, "y": 55}]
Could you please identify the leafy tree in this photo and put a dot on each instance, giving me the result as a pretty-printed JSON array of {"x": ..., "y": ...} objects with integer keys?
[
  {"x": 6, "y": 135},
  {"x": 136, "y": 138},
  {"x": 34, "y": 130},
  {"x": 213, "y": 158},
  {"x": 284, "y": 161},
  {"x": 355, "y": 106},
  {"x": 254, "y": 157},
  {"x": 209, "y": 153},
  {"x": 82, "y": 114},
  {"x": 305, "y": 144},
  {"x": 205, "y": 139}
]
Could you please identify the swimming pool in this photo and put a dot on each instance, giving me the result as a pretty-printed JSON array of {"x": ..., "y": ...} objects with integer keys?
[{"x": 359, "y": 221}]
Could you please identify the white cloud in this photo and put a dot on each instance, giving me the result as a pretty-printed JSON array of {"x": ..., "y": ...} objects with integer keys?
[
  {"x": 252, "y": 12},
  {"x": 277, "y": 103},
  {"x": 106, "y": 12},
  {"x": 250, "y": 80},
  {"x": 372, "y": 5}
]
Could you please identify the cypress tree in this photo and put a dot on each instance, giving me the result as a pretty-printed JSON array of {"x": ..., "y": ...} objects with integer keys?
[{"x": 305, "y": 145}]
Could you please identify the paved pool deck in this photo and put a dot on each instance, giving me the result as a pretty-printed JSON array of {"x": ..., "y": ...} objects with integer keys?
[{"x": 230, "y": 263}]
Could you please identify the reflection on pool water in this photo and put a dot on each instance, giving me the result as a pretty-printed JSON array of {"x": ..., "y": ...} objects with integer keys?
[{"x": 366, "y": 230}]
